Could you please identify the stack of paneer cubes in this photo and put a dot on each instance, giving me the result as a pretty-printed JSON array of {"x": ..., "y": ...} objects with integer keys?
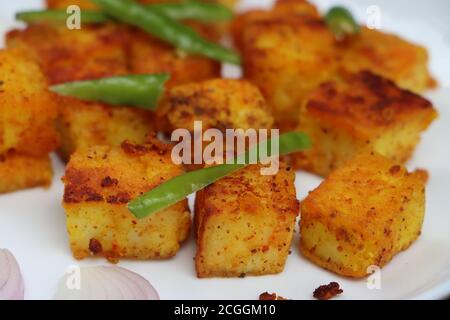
[{"x": 355, "y": 99}]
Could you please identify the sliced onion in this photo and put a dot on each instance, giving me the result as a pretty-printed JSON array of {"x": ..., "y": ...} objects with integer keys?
[
  {"x": 11, "y": 280},
  {"x": 105, "y": 283}
]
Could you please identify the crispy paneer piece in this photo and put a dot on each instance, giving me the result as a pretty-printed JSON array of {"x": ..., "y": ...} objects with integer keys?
[
  {"x": 280, "y": 9},
  {"x": 84, "y": 124},
  {"x": 150, "y": 55},
  {"x": 27, "y": 108},
  {"x": 286, "y": 57},
  {"x": 389, "y": 56},
  {"x": 358, "y": 112},
  {"x": 327, "y": 291},
  {"x": 218, "y": 103},
  {"x": 245, "y": 223},
  {"x": 362, "y": 215},
  {"x": 100, "y": 50},
  {"x": 100, "y": 182},
  {"x": 265, "y": 296},
  {"x": 19, "y": 171}
]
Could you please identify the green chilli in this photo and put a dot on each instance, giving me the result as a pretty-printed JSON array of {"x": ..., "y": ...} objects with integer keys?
[
  {"x": 142, "y": 91},
  {"x": 60, "y": 16},
  {"x": 341, "y": 22},
  {"x": 194, "y": 10},
  {"x": 180, "y": 187},
  {"x": 167, "y": 29},
  {"x": 190, "y": 10}
]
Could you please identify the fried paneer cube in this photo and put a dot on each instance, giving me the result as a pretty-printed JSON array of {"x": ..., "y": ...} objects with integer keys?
[
  {"x": 150, "y": 55},
  {"x": 361, "y": 112},
  {"x": 99, "y": 52},
  {"x": 286, "y": 57},
  {"x": 390, "y": 56},
  {"x": 289, "y": 50},
  {"x": 113, "y": 48},
  {"x": 212, "y": 30},
  {"x": 19, "y": 171},
  {"x": 244, "y": 223},
  {"x": 100, "y": 181},
  {"x": 362, "y": 215},
  {"x": 219, "y": 103},
  {"x": 27, "y": 116},
  {"x": 94, "y": 51},
  {"x": 280, "y": 9},
  {"x": 85, "y": 124},
  {"x": 27, "y": 108}
]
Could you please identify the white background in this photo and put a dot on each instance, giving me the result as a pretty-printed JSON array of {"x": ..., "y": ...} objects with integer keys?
[{"x": 32, "y": 222}]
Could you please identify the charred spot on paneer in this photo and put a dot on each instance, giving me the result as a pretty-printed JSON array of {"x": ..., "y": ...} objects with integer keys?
[
  {"x": 327, "y": 291},
  {"x": 100, "y": 181},
  {"x": 27, "y": 115},
  {"x": 362, "y": 215},
  {"x": 286, "y": 57},
  {"x": 219, "y": 103},
  {"x": 358, "y": 112},
  {"x": 244, "y": 223},
  {"x": 389, "y": 56}
]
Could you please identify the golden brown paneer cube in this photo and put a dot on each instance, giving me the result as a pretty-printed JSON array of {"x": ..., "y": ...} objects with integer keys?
[
  {"x": 93, "y": 52},
  {"x": 100, "y": 181},
  {"x": 27, "y": 116},
  {"x": 286, "y": 57},
  {"x": 362, "y": 215},
  {"x": 358, "y": 112},
  {"x": 390, "y": 56},
  {"x": 280, "y": 10},
  {"x": 27, "y": 108},
  {"x": 218, "y": 103},
  {"x": 19, "y": 171},
  {"x": 150, "y": 55},
  {"x": 99, "y": 52},
  {"x": 112, "y": 49},
  {"x": 245, "y": 223},
  {"x": 83, "y": 124}
]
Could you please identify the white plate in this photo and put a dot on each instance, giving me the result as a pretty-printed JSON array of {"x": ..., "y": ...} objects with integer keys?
[{"x": 32, "y": 222}]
